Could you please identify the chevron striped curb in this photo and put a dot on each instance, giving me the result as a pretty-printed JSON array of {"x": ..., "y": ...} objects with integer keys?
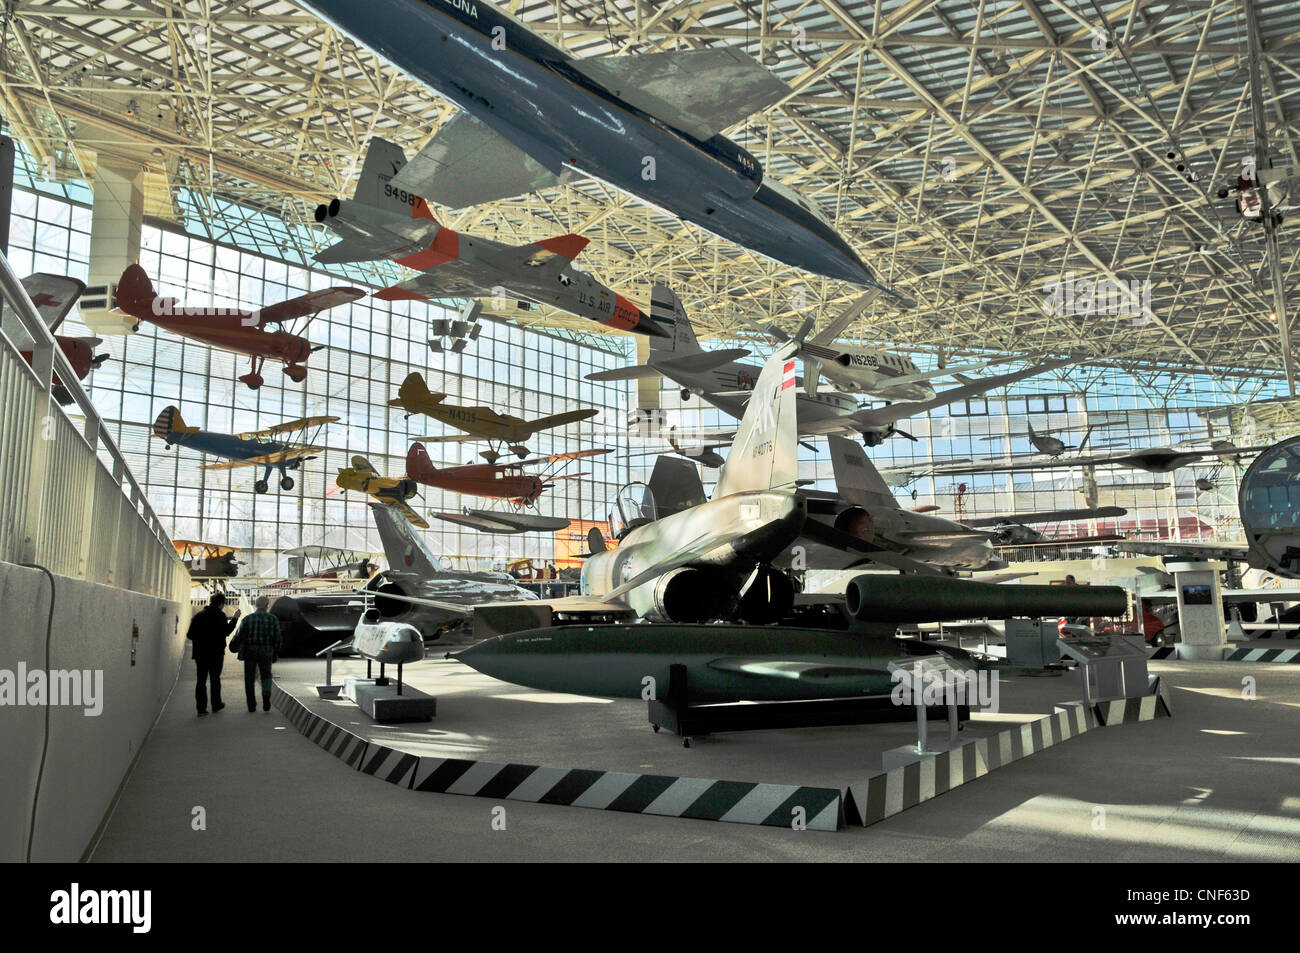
[
  {"x": 893, "y": 792},
  {"x": 1121, "y": 711},
  {"x": 343, "y": 744},
  {"x": 1288, "y": 634},
  {"x": 1264, "y": 655},
  {"x": 1165, "y": 651},
  {"x": 737, "y": 802}
]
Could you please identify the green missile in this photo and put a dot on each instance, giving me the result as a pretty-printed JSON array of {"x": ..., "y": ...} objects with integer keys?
[
  {"x": 724, "y": 663},
  {"x": 889, "y": 598}
]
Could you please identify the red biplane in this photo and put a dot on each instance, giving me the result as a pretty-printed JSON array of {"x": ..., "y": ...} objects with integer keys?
[{"x": 231, "y": 329}]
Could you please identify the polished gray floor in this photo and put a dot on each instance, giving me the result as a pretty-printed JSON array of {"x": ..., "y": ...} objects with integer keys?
[{"x": 1219, "y": 781}]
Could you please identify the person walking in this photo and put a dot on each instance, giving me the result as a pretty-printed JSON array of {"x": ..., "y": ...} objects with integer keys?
[
  {"x": 259, "y": 643},
  {"x": 208, "y": 630}
]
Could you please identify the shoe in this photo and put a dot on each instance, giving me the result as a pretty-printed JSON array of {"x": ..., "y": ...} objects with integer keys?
[
  {"x": 202, "y": 713},
  {"x": 252, "y": 708},
  {"x": 218, "y": 706}
]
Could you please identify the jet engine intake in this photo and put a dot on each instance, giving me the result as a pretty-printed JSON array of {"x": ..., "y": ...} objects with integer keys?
[{"x": 689, "y": 594}]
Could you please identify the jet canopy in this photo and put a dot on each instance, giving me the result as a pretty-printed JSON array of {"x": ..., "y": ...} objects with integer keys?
[
  {"x": 633, "y": 506},
  {"x": 791, "y": 195}
]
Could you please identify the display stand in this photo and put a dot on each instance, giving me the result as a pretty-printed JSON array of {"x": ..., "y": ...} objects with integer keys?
[
  {"x": 675, "y": 712},
  {"x": 1109, "y": 668},
  {"x": 329, "y": 689},
  {"x": 922, "y": 676}
]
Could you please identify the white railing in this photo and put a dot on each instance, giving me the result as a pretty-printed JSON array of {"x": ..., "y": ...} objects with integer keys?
[{"x": 68, "y": 501}]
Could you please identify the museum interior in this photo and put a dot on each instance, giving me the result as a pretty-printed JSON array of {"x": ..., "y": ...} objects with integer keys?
[{"x": 798, "y": 431}]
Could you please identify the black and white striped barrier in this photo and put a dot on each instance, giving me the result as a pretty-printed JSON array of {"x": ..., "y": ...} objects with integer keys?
[
  {"x": 1164, "y": 651},
  {"x": 737, "y": 802},
  {"x": 893, "y": 792},
  {"x": 1148, "y": 707},
  {"x": 1291, "y": 656}
]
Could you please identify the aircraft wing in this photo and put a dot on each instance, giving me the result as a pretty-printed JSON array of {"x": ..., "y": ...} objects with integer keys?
[
  {"x": 633, "y": 373},
  {"x": 690, "y": 364},
  {"x": 1157, "y": 547},
  {"x": 1048, "y": 516},
  {"x": 361, "y": 463},
  {"x": 279, "y": 456},
  {"x": 442, "y": 282},
  {"x": 313, "y": 302},
  {"x": 701, "y": 92},
  {"x": 561, "y": 420},
  {"x": 53, "y": 295},
  {"x": 891, "y": 413},
  {"x": 828, "y": 535},
  {"x": 412, "y": 517},
  {"x": 289, "y": 426},
  {"x": 466, "y": 163},
  {"x": 491, "y": 521}
]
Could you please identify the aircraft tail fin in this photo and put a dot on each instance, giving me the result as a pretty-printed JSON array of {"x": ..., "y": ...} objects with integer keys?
[
  {"x": 666, "y": 311},
  {"x": 405, "y": 551},
  {"x": 169, "y": 422},
  {"x": 857, "y": 480},
  {"x": 135, "y": 291},
  {"x": 383, "y": 161},
  {"x": 418, "y": 464},
  {"x": 763, "y": 455},
  {"x": 413, "y": 391}
]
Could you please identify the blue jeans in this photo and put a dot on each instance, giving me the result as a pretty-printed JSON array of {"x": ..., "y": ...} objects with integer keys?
[{"x": 257, "y": 660}]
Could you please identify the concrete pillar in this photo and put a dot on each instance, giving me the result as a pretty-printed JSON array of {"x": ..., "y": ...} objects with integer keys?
[{"x": 116, "y": 220}]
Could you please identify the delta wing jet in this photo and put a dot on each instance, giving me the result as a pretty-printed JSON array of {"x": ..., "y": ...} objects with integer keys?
[
  {"x": 650, "y": 124},
  {"x": 384, "y": 222}
]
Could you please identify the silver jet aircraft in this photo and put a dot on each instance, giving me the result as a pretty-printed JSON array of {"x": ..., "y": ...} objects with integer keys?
[
  {"x": 713, "y": 560},
  {"x": 382, "y": 221}
]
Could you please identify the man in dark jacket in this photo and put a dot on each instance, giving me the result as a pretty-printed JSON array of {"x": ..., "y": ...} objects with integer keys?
[{"x": 208, "y": 631}]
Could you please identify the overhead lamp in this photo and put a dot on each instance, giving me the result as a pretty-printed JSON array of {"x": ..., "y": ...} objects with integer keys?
[{"x": 771, "y": 57}]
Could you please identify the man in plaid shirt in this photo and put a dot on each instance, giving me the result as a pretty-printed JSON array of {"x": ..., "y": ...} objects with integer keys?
[{"x": 260, "y": 647}]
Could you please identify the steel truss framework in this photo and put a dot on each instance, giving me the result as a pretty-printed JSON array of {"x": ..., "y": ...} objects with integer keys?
[{"x": 972, "y": 151}]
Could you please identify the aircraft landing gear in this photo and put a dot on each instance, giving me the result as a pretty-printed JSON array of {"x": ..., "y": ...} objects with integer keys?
[
  {"x": 686, "y": 394},
  {"x": 286, "y": 483},
  {"x": 296, "y": 373},
  {"x": 253, "y": 380},
  {"x": 261, "y": 486}
]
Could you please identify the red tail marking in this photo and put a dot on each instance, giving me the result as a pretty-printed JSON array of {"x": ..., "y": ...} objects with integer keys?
[
  {"x": 445, "y": 247},
  {"x": 566, "y": 246}
]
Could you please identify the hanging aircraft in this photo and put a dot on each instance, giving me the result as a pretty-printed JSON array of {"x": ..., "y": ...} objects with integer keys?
[
  {"x": 207, "y": 560},
  {"x": 1152, "y": 460},
  {"x": 650, "y": 124},
  {"x": 1046, "y": 443},
  {"x": 54, "y": 296},
  {"x": 383, "y": 222},
  {"x": 390, "y": 491},
  {"x": 246, "y": 449},
  {"x": 233, "y": 329},
  {"x": 502, "y": 481},
  {"x": 717, "y": 378},
  {"x": 1018, "y": 529},
  {"x": 480, "y": 423},
  {"x": 854, "y": 369}
]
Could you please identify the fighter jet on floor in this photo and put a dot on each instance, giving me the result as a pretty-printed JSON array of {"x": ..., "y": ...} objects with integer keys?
[
  {"x": 713, "y": 559},
  {"x": 650, "y": 124},
  {"x": 415, "y": 589},
  {"x": 717, "y": 378},
  {"x": 478, "y": 423},
  {"x": 383, "y": 222}
]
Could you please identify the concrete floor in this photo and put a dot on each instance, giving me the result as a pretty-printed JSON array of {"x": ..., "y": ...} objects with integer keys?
[{"x": 1219, "y": 781}]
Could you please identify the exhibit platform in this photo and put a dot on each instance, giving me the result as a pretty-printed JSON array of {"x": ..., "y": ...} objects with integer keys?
[{"x": 1222, "y": 762}]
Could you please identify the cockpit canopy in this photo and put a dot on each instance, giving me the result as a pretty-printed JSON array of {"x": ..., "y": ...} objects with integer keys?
[
  {"x": 633, "y": 506},
  {"x": 791, "y": 195}
]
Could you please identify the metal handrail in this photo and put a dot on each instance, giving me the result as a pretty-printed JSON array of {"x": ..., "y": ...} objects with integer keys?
[{"x": 48, "y": 361}]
